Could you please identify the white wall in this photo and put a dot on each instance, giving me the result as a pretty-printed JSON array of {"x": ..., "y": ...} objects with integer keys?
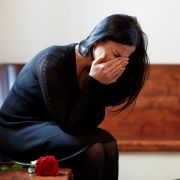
[
  {"x": 149, "y": 166},
  {"x": 27, "y": 26}
]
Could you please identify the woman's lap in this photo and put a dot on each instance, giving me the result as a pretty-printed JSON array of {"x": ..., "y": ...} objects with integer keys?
[{"x": 47, "y": 138}]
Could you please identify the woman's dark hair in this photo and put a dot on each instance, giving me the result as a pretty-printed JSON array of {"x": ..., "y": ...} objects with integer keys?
[{"x": 126, "y": 30}]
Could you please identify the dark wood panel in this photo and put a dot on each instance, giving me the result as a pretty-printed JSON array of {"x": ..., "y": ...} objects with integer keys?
[
  {"x": 154, "y": 124},
  {"x": 3, "y": 83},
  {"x": 8, "y": 74}
]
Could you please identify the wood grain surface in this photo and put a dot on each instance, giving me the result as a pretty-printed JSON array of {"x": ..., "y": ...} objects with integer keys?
[
  {"x": 65, "y": 174},
  {"x": 154, "y": 123}
]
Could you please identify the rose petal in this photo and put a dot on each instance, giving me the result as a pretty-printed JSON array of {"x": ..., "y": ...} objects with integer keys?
[{"x": 47, "y": 166}]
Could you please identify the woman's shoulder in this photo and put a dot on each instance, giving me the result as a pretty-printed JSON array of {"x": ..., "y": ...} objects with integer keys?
[
  {"x": 56, "y": 50},
  {"x": 52, "y": 57}
]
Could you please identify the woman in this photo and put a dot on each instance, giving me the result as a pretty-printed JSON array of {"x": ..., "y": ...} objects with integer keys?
[{"x": 59, "y": 99}]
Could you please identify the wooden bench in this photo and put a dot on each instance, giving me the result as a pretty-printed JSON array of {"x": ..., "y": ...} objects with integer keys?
[
  {"x": 154, "y": 123},
  {"x": 65, "y": 174}
]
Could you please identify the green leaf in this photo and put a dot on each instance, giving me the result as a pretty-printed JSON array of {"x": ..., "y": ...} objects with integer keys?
[
  {"x": 4, "y": 168},
  {"x": 16, "y": 166}
]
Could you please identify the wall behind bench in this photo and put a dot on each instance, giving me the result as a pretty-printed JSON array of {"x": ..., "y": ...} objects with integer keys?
[{"x": 154, "y": 123}]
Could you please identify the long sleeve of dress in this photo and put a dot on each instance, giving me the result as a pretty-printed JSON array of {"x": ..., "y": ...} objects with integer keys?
[{"x": 80, "y": 113}]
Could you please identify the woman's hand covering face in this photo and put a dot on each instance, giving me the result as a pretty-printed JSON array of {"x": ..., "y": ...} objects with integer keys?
[
  {"x": 107, "y": 72},
  {"x": 110, "y": 60}
]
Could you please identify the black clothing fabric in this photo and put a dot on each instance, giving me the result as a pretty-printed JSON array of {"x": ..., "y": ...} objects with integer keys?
[{"x": 47, "y": 113}]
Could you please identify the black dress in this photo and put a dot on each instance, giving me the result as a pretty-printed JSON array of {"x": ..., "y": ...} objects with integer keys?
[{"x": 46, "y": 113}]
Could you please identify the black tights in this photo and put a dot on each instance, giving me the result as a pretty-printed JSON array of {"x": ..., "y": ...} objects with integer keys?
[{"x": 99, "y": 162}]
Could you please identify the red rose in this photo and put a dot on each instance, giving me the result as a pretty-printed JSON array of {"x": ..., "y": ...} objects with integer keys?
[{"x": 46, "y": 166}]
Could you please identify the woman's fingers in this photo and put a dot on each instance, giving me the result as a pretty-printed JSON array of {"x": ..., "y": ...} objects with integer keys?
[
  {"x": 119, "y": 63},
  {"x": 116, "y": 75},
  {"x": 114, "y": 71},
  {"x": 108, "y": 72},
  {"x": 99, "y": 59}
]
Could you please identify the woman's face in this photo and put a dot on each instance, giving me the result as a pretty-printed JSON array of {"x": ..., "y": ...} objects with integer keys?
[{"x": 112, "y": 50}]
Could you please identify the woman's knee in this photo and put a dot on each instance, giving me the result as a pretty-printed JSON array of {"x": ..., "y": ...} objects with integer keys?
[
  {"x": 111, "y": 149},
  {"x": 96, "y": 151}
]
